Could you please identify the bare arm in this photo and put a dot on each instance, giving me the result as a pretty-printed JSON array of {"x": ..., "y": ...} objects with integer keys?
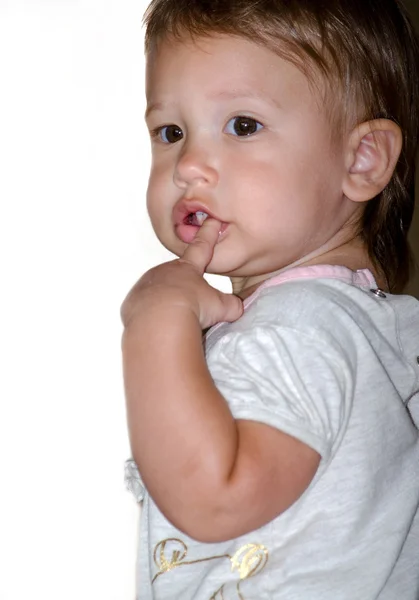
[{"x": 215, "y": 478}]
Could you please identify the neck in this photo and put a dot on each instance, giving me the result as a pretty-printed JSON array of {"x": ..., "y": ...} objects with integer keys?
[{"x": 351, "y": 254}]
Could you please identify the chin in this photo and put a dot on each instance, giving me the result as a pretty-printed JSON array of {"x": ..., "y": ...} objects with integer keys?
[
  {"x": 222, "y": 267},
  {"x": 175, "y": 247}
]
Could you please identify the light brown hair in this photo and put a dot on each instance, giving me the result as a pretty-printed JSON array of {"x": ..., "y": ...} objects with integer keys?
[{"x": 368, "y": 52}]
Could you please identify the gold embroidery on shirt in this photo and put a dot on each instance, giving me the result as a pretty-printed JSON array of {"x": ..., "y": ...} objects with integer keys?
[
  {"x": 248, "y": 561},
  {"x": 219, "y": 595},
  {"x": 179, "y": 553},
  {"x": 171, "y": 553}
]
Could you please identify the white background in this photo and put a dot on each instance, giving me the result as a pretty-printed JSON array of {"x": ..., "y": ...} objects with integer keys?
[{"x": 74, "y": 237}]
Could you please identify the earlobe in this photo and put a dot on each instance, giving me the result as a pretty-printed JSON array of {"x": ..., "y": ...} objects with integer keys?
[{"x": 372, "y": 153}]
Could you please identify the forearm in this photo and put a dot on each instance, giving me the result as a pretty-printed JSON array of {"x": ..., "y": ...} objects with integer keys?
[
  {"x": 215, "y": 478},
  {"x": 183, "y": 436}
]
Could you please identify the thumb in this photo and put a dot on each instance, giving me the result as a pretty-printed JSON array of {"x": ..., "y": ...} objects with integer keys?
[{"x": 232, "y": 307}]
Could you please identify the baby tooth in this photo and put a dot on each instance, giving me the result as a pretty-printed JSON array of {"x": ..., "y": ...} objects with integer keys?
[{"x": 200, "y": 217}]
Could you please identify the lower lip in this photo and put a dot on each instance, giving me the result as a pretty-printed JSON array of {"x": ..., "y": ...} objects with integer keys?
[{"x": 187, "y": 233}]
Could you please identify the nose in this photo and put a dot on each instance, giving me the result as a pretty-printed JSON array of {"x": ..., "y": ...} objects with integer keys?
[{"x": 195, "y": 168}]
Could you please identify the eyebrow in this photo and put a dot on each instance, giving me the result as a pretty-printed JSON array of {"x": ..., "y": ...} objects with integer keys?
[
  {"x": 152, "y": 107},
  {"x": 224, "y": 95},
  {"x": 237, "y": 94}
]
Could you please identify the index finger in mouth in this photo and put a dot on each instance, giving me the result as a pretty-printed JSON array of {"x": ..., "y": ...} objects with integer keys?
[{"x": 200, "y": 251}]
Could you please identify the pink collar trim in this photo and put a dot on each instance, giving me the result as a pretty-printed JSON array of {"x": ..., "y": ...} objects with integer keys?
[{"x": 361, "y": 278}]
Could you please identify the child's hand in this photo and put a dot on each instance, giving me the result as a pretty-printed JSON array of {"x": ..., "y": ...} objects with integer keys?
[{"x": 179, "y": 285}]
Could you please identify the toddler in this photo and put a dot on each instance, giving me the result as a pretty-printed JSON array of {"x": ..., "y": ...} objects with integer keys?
[{"x": 279, "y": 453}]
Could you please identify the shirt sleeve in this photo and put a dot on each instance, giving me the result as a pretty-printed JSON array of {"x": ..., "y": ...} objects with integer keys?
[
  {"x": 133, "y": 481},
  {"x": 288, "y": 379}
]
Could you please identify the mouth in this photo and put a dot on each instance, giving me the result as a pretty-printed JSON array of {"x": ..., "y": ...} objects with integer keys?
[
  {"x": 188, "y": 218},
  {"x": 196, "y": 218}
]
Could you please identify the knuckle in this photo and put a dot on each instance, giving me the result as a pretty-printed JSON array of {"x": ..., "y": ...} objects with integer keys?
[{"x": 201, "y": 242}]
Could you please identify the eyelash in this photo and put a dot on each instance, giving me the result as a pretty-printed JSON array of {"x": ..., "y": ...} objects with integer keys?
[{"x": 157, "y": 133}]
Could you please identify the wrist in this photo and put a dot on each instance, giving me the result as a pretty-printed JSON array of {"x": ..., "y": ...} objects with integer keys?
[
  {"x": 159, "y": 315},
  {"x": 159, "y": 305}
]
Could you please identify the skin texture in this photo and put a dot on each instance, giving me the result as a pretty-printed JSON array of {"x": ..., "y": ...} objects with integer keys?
[
  {"x": 223, "y": 477},
  {"x": 280, "y": 190},
  {"x": 287, "y": 194}
]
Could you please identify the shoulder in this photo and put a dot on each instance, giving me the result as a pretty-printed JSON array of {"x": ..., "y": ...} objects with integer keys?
[
  {"x": 333, "y": 311},
  {"x": 277, "y": 364},
  {"x": 323, "y": 325},
  {"x": 323, "y": 310}
]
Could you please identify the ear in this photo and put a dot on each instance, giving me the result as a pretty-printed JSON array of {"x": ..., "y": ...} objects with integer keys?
[{"x": 372, "y": 153}]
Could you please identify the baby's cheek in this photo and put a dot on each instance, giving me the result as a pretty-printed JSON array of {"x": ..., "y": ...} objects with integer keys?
[{"x": 157, "y": 193}]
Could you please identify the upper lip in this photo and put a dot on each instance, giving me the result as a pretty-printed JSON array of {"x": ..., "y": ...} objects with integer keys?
[{"x": 186, "y": 207}]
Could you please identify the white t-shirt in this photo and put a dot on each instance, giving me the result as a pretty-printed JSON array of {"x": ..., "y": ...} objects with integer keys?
[{"x": 323, "y": 357}]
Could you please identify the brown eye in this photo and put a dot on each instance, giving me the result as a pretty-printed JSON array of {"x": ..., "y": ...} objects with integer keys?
[
  {"x": 170, "y": 134},
  {"x": 243, "y": 126}
]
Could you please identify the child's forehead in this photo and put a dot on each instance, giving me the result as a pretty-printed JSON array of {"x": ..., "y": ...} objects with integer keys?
[
  {"x": 227, "y": 67},
  {"x": 230, "y": 58},
  {"x": 205, "y": 47}
]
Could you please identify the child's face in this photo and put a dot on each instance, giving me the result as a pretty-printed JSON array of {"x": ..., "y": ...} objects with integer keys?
[{"x": 277, "y": 191}]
